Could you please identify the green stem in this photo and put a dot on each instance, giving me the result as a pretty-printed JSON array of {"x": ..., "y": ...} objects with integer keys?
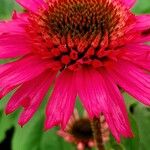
[{"x": 88, "y": 148}]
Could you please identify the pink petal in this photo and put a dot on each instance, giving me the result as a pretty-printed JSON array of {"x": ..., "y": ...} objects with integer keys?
[
  {"x": 142, "y": 38},
  {"x": 14, "y": 41},
  {"x": 140, "y": 30},
  {"x": 61, "y": 103},
  {"x": 32, "y": 5},
  {"x": 117, "y": 118},
  {"x": 100, "y": 95},
  {"x": 143, "y": 22},
  {"x": 138, "y": 54},
  {"x": 129, "y": 3},
  {"x": 20, "y": 16},
  {"x": 6, "y": 90},
  {"x": 136, "y": 51},
  {"x": 22, "y": 70},
  {"x": 30, "y": 95},
  {"x": 132, "y": 79},
  {"x": 4, "y": 67},
  {"x": 11, "y": 26},
  {"x": 14, "y": 45},
  {"x": 14, "y": 26},
  {"x": 142, "y": 27},
  {"x": 36, "y": 96},
  {"x": 88, "y": 91}
]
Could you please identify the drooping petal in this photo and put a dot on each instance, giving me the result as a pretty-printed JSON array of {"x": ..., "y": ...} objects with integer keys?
[
  {"x": 30, "y": 95},
  {"x": 88, "y": 91},
  {"x": 62, "y": 100},
  {"x": 32, "y": 5},
  {"x": 14, "y": 45},
  {"x": 37, "y": 91},
  {"x": 21, "y": 71},
  {"x": 132, "y": 79},
  {"x": 117, "y": 118},
  {"x": 100, "y": 95}
]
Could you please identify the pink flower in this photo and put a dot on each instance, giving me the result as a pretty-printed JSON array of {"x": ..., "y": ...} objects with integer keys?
[
  {"x": 86, "y": 48},
  {"x": 79, "y": 131}
]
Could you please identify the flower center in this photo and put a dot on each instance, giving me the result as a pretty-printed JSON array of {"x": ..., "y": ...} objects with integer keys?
[
  {"x": 73, "y": 33},
  {"x": 78, "y": 19},
  {"x": 82, "y": 130}
]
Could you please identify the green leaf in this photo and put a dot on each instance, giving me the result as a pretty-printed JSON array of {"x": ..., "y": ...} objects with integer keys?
[
  {"x": 132, "y": 143},
  {"x": 142, "y": 117},
  {"x": 51, "y": 140},
  {"x": 126, "y": 143},
  {"x": 129, "y": 100},
  {"x": 33, "y": 137},
  {"x": 6, "y": 122},
  {"x": 28, "y": 137},
  {"x": 79, "y": 106},
  {"x": 142, "y": 6},
  {"x": 113, "y": 145},
  {"x": 7, "y": 7}
]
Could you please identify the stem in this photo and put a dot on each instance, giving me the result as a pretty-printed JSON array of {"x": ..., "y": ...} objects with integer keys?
[
  {"x": 96, "y": 127},
  {"x": 88, "y": 148}
]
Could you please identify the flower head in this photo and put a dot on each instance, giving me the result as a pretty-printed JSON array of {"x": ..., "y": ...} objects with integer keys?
[
  {"x": 87, "y": 48},
  {"x": 79, "y": 131}
]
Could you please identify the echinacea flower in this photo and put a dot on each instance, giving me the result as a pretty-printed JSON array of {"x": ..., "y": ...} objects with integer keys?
[
  {"x": 87, "y": 48},
  {"x": 79, "y": 131}
]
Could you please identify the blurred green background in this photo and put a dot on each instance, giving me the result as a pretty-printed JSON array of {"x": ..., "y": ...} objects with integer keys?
[{"x": 32, "y": 136}]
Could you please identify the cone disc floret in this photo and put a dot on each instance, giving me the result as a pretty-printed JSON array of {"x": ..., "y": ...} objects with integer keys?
[{"x": 78, "y": 32}]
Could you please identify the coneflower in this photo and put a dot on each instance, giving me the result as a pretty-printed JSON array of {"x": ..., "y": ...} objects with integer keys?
[
  {"x": 87, "y": 48},
  {"x": 79, "y": 131}
]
